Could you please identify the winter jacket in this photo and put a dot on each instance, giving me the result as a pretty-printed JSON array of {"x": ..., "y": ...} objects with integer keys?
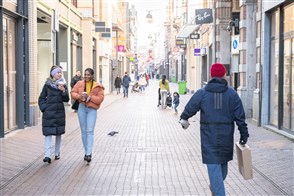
[
  {"x": 164, "y": 86},
  {"x": 51, "y": 105},
  {"x": 126, "y": 81},
  {"x": 117, "y": 82},
  {"x": 176, "y": 100},
  {"x": 74, "y": 80},
  {"x": 220, "y": 106},
  {"x": 96, "y": 94}
]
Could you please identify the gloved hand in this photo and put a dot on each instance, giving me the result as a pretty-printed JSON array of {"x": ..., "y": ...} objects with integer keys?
[
  {"x": 243, "y": 139},
  {"x": 185, "y": 124}
]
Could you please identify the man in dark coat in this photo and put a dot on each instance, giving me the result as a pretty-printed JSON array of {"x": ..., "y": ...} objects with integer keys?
[
  {"x": 126, "y": 82},
  {"x": 220, "y": 106}
]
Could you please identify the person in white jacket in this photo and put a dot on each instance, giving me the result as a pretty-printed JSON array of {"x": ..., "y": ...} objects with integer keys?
[{"x": 142, "y": 82}]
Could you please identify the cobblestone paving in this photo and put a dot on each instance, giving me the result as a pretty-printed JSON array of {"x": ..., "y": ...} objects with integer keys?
[{"x": 151, "y": 155}]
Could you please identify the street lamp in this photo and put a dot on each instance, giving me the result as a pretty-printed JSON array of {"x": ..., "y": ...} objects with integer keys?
[{"x": 149, "y": 17}]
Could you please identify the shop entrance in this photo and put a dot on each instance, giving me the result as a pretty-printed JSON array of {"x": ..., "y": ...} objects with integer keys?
[{"x": 9, "y": 74}]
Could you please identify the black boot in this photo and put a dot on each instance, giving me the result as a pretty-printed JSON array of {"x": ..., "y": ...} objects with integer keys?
[
  {"x": 88, "y": 158},
  {"x": 47, "y": 159},
  {"x": 57, "y": 157}
]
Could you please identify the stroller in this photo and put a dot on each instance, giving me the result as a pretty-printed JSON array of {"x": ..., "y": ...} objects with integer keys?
[
  {"x": 169, "y": 100},
  {"x": 135, "y": 88}
]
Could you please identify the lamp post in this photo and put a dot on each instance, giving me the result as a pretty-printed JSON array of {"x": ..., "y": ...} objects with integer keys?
[{"x": 149, "y": 17}]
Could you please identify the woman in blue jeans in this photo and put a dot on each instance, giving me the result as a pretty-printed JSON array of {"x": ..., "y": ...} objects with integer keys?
[{"x": 90, "y": 95}]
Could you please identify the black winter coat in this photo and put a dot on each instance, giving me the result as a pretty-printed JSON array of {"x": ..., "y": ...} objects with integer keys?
[
  {"x": 220, "y": 106},
  {"x": 117, "y": 82},
  {"x": 51, "y": 105}
]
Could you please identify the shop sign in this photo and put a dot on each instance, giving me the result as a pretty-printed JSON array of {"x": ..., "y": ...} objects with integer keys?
[
  {"x": 203, "y": 16},
  {"x": 195, "y": 36},
  {"x": 120, "y": 48},
  {"x": 197, "y": 51},
  {"x": 180, "y": 42},
  {"x": 235, "y": 44}
]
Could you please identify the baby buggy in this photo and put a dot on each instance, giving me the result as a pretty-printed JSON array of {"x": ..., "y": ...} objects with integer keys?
[
  {"x": 169, "y": 100},
  {"x": 135, "y": 88}
]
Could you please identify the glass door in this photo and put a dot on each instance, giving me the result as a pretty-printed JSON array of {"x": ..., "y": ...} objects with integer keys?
[
  {"x": 288, "y": 116},
  {"x": 288, "y": 86},
  {"x": 9, "y": 74}
]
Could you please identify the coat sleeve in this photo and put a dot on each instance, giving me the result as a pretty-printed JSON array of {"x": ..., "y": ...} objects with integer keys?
[
  {"x": 193, "y": 106},
  {"x": 42, "y": 101},
  {"x": 99, "y": 97},
  {"x": 75, "y": 91},
  {"x": 65, "y": 96},
  {"x": 239, "y": 116}
]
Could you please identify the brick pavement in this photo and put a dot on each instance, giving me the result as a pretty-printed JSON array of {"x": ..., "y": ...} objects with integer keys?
[{"x": 151, "y": 155}]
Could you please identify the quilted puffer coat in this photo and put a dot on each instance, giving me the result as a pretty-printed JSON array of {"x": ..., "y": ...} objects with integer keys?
[{"x": 51, "y": 105}]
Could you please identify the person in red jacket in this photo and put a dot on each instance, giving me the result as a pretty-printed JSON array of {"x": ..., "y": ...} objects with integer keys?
[{"x": 90, "y": 95}]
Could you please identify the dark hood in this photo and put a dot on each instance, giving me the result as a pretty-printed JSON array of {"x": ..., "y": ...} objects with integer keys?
[{"x": 218, "y": 85}]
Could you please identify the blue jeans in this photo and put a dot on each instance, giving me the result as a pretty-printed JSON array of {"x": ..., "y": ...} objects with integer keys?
[
  {"x": 126, "y": 89},
  {"x": 163, "y": 94},
  {"x": 48, "y": 140},
  {"x": 175, "y": 107},
  {"x": 87, "y": 119},
  {"x": 217, "y": 174},
  {"x": 117, "y": 90}
]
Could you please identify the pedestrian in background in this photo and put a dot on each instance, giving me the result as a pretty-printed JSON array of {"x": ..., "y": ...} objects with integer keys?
[
  {"x": 176, "y": 101},
  {"x": 126, "y": 83},
  {"x": 220, "y": 106},
  {"x": 50, "y": 102},
  {"x": 76, "y": 78},
  {"x": 90, "y": 95},
  {"x": 164, "y": 89},
  {"x": 142, "y": 82},
  {"x": 117, "y": 84}
]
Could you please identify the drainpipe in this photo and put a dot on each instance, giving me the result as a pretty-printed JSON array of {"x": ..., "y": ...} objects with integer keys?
[{"x": 260, "y": 70}]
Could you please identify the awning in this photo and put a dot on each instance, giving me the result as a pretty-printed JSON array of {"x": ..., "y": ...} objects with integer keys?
[{"x": 187, "y": 30}]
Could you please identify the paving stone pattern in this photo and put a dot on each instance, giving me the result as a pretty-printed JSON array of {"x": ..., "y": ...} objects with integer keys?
[{"x": 151, "y": 155}]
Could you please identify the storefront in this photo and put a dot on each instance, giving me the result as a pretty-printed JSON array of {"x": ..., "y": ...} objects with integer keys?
[
  {"x": 14, "y": 65},
  {"x": 279, "y": 60}
]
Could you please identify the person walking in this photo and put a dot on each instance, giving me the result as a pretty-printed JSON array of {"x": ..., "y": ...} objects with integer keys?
[
  {"x": 90, "y": 95},
  {"x": 50, "y": 102},
  {"x": 76, "y": 78},
  {"x": 126, "y": 83},
  {"x": 142, "y": 82},
  {"x": 117, "y": 84},
  {"x": 220, "y": 106},
  {"x": 176, "y": 101},
  {"x": 164, "y": 89}
]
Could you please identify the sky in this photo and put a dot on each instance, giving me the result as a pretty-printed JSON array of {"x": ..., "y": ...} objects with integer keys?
[{"x": 157, "y": 10}]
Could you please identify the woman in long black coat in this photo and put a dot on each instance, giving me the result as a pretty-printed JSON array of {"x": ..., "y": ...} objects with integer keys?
[
  {"x": 51, "y": 99},
  {"x": 117, "y": 84}
]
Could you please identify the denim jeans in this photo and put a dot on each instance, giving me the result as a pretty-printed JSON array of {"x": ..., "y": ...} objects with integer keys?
[
  {"x": 48, "y": 140},
  {"x": 163, "y": 94},
  {"x": 87, "y": 119},
  {"x": 175, "y": 107},
  {"x": 117, "y": 90},
  {"x": 126, "y": 89},
  {"x": 217, "y": 174}
]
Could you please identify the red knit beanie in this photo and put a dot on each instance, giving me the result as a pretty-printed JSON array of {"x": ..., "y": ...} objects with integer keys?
[{"x": 217, "y": 70}]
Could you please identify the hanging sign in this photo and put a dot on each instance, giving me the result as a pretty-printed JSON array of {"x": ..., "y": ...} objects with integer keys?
[{"x": 203, "y": 16}]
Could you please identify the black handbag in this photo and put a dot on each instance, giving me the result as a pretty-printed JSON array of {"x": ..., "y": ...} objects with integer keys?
[{"x": 75, "y": 105}]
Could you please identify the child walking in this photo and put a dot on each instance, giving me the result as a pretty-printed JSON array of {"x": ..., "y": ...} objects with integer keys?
[
  {"x": 50, "y": 102},
  {"x": 176, "y": 101}
]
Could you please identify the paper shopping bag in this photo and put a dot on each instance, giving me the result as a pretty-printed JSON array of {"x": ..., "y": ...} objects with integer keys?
[{"x": 244, "y": 160}]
